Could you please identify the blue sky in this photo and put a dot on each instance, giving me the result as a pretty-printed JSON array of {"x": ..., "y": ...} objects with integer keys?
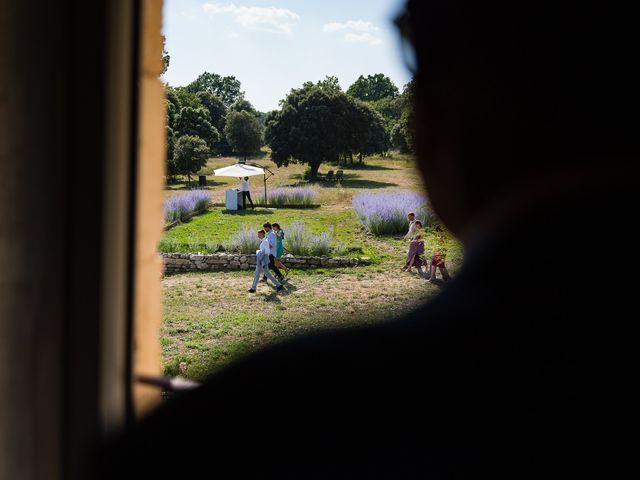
[{"x": 272, "y": 46}]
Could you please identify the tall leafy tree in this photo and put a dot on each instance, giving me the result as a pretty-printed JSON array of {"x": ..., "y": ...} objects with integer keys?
[
  {"x": 371, "y": 136},
  {"x": 307, "y": 128},
  {"x": 398, "y": 140},
  {"x": 243, "y": 105},
  {"x": 216, "y": 108},
  {"x": 330, "y": 84},
  {"x": 190, "y": 155},
  {"x": 172, "y": 168},
  {"x": 173, "y": 106},
  {"x": 187, "y": 98},
  {"x": 390, "y": 108},
  {"x": 243, "y": 133},
  {"x": 196, "y": 121},
  {"x": 227, "y": 88},
  {"x": 406, "y": 123},
  {"x": 372, "y": 88}
]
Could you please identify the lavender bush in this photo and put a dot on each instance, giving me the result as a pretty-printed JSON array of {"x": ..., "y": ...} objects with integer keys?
[
  {"x": 245, "y": 241},
  {"x": 301, "y": 241},
  {"x": 291, "y": 196},
  {"x": 386, "y": 212},
  {"x": 184, "y": 206}
]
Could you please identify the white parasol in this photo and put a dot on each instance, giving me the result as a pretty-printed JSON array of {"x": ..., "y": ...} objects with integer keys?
[
  {"x": 244, "y": 170},
  {"x": 239, "y": 170}
]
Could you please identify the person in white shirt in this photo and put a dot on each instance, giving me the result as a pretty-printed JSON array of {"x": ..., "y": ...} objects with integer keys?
[
  {"x": 262, "y": 263},
  {"x": 412, "y": 225},
  {"x": 246, "y": 194}
]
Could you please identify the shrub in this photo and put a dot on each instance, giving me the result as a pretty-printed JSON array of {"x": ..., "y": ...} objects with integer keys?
[
  {"x": 245, "y": 241},
  {"x": 386, "y": 212},
  {"x": 291, "y": 196},
  {"x": 184, "y": 206},
  {"x": 301, "y": 241},
  {"x": 172, "y": 246}
]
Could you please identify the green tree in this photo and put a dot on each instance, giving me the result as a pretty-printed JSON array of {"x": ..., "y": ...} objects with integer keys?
[
  {"x": 196, "y": 121},
  {"x": 398, "y": 140},
  {"x": 216, "y": 108},
  {"x": 308, "y": 128},
  {"x": 226, "y": 88},
  {"x": 173, "y": 106},
  {"x": 330, "y": 84},
  {"x": 190, "y": 155},
  {"x": 187, "y": 98},
  {"x": 371, "y": 136},
  {"x": 172, "y": 168},
  {"x": 406, "y": 123},
  {"x": 372, "y": 88},
  {"x": 165, "y": 57},
  {"x": 243, "y": 105},
  {"x": 243, "y": 133},
  {"x": 390, "y": 108}
]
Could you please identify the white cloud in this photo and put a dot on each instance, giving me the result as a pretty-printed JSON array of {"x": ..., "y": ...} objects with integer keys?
[
  {"x": 362, "y": 38},
  {"x": 355, "y": 25},
  {"x": 269, "y": 19},
  {"x": 356, "y": 31}
]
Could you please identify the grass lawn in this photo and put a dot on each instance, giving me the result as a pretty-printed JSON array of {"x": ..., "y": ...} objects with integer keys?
[{"x": 210, "y": 319}]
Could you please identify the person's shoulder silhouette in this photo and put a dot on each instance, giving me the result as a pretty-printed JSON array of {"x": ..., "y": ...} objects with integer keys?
[{"x": 526, "y": 134}]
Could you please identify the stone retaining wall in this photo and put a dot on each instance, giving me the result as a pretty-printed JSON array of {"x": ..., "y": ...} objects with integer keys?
[{"x": 189, "y": 262}]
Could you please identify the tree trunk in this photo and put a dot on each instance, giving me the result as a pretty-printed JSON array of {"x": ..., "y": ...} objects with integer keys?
[
  {"x": 189, "y": 178},
  {"x": 351, "y": 157},
  {"x": 360, "y": 157},
  {"x": 314, "y": 171}
]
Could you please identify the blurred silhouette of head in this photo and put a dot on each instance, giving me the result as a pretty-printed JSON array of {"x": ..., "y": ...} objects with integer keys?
[{"x": 512, "y": 93}]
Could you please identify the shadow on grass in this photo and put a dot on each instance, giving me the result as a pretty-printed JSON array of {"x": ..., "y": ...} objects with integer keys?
[
  {"x": 364, "y": 166},
  {"x": 248, "y": 213},
  {"x": 348, "y": 182},
  {"x": 185, "y": 186},
  {"x": 271, "y": 297},
  {"x": 288, "y": 287},
  {"x": 440, "y": 283}
]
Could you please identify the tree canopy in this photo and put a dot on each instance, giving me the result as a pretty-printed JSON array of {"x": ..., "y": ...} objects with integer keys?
[
  {"x": 243, "y": 132},
  {"x": 243, "y": 105},
  {"x": 372, "y": 88},
  {"x": 226, "y": 88},
  {"x": 217, "y": 109},
  {"x": 318, "y": 124},
  {"x": 190, "y": 154},
  {"x": 370, "y": 133},
  {"x": 404, "y": 133},
  {"x": 196, "y": 121}
]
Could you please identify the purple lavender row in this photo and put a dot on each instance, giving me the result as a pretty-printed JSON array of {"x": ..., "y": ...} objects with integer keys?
[
  {"x": 386, "y": 212},
  {"x": 181, "y": 207}
]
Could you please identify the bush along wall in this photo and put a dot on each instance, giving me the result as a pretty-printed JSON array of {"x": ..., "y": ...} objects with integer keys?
[{"x": 190, "y": 262}]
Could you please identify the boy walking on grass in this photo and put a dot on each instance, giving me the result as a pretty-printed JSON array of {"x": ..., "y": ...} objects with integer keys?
[
  {"x": 273, "y": 241},
  {"x": 262, "y": 264}
]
